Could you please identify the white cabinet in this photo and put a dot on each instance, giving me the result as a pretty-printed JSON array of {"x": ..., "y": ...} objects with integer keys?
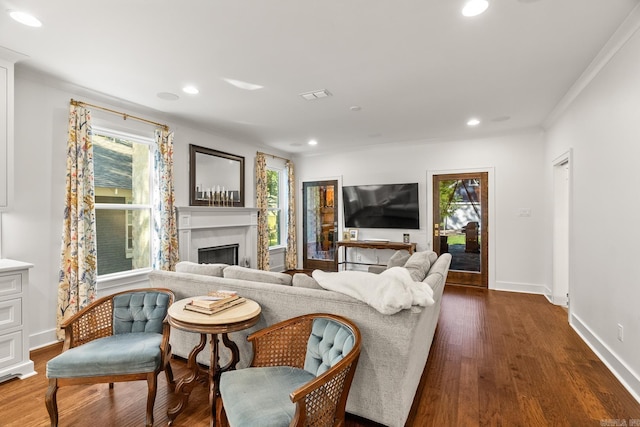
[{"x": 14, "y": 335}]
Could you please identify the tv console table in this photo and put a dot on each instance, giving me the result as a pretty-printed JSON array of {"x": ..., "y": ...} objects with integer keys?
[{"x": 372, "y": 244}]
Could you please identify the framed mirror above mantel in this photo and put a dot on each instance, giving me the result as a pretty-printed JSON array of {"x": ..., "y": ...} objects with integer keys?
[{"x": 216, "y": 178}]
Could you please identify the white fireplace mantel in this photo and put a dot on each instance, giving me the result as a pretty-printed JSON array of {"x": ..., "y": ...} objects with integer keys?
[{"x": 203, "y": 226}]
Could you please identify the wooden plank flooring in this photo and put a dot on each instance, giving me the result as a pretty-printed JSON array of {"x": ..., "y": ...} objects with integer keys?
[{"x": 498, "y": 359}]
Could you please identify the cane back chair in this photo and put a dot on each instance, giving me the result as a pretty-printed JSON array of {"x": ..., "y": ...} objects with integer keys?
[
  {"x": 300, "y": 375},
  {"x": 119, "y": 337}
]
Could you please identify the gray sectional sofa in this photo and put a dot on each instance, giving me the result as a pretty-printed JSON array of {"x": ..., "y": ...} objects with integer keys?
[{"x": 394, "y": 347}]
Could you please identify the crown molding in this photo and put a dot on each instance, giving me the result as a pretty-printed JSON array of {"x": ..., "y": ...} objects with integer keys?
[
  {"x": 617, "y": 41},
  {"x": 11, "y": 55}
]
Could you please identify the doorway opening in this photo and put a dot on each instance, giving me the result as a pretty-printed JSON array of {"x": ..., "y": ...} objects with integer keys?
[
  {"x": 320, "y": 225},
  {"x": 561, "y": 215},
  {"x": 460, "y": 225}
]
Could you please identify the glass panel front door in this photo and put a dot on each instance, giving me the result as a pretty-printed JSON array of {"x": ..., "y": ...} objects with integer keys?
[
  {"x": 460, "y": 225},
  {"x": 320, "y": 217}
]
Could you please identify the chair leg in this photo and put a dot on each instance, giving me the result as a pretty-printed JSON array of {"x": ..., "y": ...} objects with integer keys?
[
  {"x": 221, "y": 415},
  {"x": 52, "y": 402},
  {"x": 152, "y": 383},
  {"x": 168, "y": 372}
]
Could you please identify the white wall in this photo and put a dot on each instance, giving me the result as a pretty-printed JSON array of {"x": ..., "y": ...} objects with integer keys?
[
  {"x": 31, "y": 231},
  {"x": 602, "y": 125},
  {"x": 516, "y": 163}
]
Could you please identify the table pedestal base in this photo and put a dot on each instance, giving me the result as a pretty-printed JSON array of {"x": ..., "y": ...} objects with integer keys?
[{"x": 211, "y": 375}]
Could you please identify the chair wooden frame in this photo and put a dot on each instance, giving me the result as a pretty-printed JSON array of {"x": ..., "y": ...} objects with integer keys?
[
  {"x": 285, "y": 344},
  {"x": 96, "y": 321}
]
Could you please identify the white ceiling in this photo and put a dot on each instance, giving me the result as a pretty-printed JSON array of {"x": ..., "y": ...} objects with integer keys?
[{"x": 418, "y": 69}]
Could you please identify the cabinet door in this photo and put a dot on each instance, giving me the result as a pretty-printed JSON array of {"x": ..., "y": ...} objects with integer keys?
[{"x": 320, "y": 225}]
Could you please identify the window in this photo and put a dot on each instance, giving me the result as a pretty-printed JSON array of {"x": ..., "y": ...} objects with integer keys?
[
  {"x": 123, "y": 195},
  {"x": 276, "y": 200}
]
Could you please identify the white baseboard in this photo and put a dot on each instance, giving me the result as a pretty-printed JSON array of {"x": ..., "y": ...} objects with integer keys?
[
  {"x": 527, "y": 288},
  {"x": 626, "y": 376},
  {"x": 42, "y": 339},
  {"x": 558, "y": 300}
]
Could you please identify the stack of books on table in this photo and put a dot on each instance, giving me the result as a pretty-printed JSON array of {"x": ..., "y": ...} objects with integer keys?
[{"x": 215, "y": 302}]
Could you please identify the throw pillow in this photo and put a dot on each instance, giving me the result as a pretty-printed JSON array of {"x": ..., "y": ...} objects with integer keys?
[
  {"x": 398, "y": 259},
  {"x": 302, "y": 280},
  {"x": 418, "y": 265},
  {"x": 203, "y": 269},
  {"x": 244, "y": 273},
  {"x": 432, "y": 257}
]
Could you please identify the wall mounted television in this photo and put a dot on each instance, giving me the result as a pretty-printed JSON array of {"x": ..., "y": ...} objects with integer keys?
[{"x": 381, "y": 206}]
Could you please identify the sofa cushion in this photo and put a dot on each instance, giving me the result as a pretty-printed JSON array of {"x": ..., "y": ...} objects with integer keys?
[
  {"x": 418, "y": 265},
  {"x": 302, "y": 280},
  {"x": 398, "y": 259},
  {"x": 204, "y": 269},
  {"x": 244, "y": 273}
]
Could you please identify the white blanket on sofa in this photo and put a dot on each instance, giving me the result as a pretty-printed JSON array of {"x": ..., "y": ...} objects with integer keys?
[{"x": 388, "y": 292}]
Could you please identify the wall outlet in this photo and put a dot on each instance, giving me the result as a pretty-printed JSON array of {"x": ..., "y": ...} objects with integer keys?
[{"x": 620, "y": 332}]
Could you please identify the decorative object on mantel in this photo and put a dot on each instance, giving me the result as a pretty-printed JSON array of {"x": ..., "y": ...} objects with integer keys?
[
  {"x": 214, "y": 197},
  {"x": 215, "y": 178}
]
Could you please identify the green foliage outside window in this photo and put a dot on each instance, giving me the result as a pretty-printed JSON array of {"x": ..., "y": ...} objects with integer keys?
[
  {"x": 273, "y": 207},
  {"x": 448, "y": 199}
]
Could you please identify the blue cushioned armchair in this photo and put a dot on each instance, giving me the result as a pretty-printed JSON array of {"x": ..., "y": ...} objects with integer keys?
[
  {"x": 300, "y": 374},
  {"x": 119, "y": 337}
]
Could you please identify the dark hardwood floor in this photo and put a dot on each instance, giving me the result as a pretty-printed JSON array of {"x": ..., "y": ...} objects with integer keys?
[{"x": 498, "y": 359}]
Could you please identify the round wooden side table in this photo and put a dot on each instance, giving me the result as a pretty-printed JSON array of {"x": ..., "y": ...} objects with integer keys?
[{"x": 234, "y": 319}]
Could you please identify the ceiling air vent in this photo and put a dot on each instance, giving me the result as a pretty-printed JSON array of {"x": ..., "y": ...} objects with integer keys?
[{"x": 316, "y": 94}]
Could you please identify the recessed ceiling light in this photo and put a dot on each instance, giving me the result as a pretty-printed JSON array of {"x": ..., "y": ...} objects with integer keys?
[
  {"x": 25, "y": 18},
  {"x": 313, "y": 142},
  {"x": 191, "y": 90},
  {"x": 355, "y": 108},
  {"x": 168, "y": 96},
  {"x": 475, "y": 7},
  {"x": 473, "y": 122},
  {"x": 243, "y": 85}
]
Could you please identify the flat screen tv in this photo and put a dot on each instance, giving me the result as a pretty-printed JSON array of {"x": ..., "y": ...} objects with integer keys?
[{"x": 381, "y": 206}]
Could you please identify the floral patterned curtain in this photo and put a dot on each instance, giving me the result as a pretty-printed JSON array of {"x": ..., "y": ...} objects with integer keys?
[
  {"x": 261, "y": 204},
  {"x": 78, "y": 261},
  {"x": 291, "y": 261},
  {"x": 164, "y": 213}
]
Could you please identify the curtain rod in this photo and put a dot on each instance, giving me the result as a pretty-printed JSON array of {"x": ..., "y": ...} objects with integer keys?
[
  {"x": 124, "y": 115},
  {"x": 274, "y": 156}
]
